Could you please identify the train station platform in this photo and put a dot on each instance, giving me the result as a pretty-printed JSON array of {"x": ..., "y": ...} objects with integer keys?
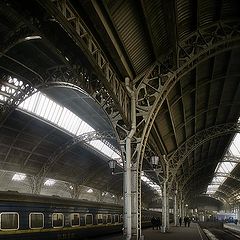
[{"x": 174, "y": 233}]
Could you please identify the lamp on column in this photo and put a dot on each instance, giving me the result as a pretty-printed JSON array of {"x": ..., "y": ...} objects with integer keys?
[
  {"x": 154, "y": 161},
  {"x": 112, "y": 164}
]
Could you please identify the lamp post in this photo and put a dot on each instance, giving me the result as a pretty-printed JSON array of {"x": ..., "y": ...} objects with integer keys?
[
  {"x": 112, "y": 164},
  {"x": 154, "y": 161}
]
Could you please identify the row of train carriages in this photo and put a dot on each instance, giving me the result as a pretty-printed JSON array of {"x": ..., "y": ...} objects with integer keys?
[{"x": 24, "y": 216}]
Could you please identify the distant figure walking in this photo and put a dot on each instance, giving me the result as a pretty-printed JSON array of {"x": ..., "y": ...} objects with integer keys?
[
  {"x": 153, "y": 221},
  {"x": 180, "y": 221},
  {"x": 185, "y": 220},
  {"x": 189, "y": 221},
  {"x": 158, "y": 223}
]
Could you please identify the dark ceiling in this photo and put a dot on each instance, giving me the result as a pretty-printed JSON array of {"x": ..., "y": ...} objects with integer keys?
[{"x": 134, "y": 35}]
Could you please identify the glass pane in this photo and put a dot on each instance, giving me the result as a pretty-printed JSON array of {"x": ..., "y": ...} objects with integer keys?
[
  {"x": 9, "y": 221},
  {"x": 99, "y": 219},
  {"x": 109, "y": 218},
  {"x": 49, "y": 110},
  {"x": 104, "y": 219},
  {"x": 53, "y": 112},
  {"x": 88, "y": 219},
  {"x": 39, "y": 105},
  {"x": 62, "y": 117},
  {"x": 75, "y": 219},
  {"x": 57, "y": 220},
  {"x": 82, "y": 220},
  {"x": 116, "y": 218},
  {"x": 57, "y": 114},
  {"x": 36, "y": 220}
]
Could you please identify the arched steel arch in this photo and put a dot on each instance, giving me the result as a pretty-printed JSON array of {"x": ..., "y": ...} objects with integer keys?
[
  {"x": 198, "y": 166},
  {"x": 178, "y": 157},
  {"x": 86, "y": 137},
  {"x": 63, "y": 76},
  {"x": 227, "y": 175},
  {"x": 153, "y": 87},
  {"x": 221, "y": 199}
]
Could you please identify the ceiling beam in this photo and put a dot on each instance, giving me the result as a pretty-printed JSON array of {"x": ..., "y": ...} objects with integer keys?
[
  {"x": 105, "y": 19},
  {"x": 148, "y": 28}
]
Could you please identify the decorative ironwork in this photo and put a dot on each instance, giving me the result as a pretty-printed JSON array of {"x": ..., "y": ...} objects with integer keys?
[
  {"x": 62, "y": 149},
  {"x": 71, "y": 22},
  {"x": 153, "y": 87},
  {"x": 178, "y": 157}
]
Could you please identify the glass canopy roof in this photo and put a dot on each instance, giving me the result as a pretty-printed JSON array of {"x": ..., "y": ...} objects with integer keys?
[
  {"x": 225, "y": 167},
  {"x": 44, "y": 108}
]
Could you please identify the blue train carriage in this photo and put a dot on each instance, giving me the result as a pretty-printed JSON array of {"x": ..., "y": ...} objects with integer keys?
[
  {"x": 28, "y": 216},
  {"x": 41, "y": 217}
]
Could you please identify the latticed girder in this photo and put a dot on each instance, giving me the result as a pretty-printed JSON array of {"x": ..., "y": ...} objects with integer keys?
[
  {"x": 71, "y": 22},
  {"x": 178, "y": 157},
  {"x": 154, "y": 86},
  {"x": 84, "y": 138},
  {"x": 231, "y": 158},
  {"x": 227, "y": 175},
  {"x": 12, "y": 93}
]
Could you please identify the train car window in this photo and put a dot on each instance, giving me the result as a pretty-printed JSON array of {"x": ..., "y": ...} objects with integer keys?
[
  {"x": 104, "y": 219},
  {"x": 75, "y": 219},
  {"x": 9, "y": 221},
  {"x": 82, "y": 220},
  {"x": 99, "y": 219},
  {"x": 36, "y": 220},
  {"x": 89, "y": 219},
  {"x": 121, "y": 218},
  {"x": 116, "y": 218},
  {"x": 109, "y": 218},
  {"x": 57, "y": 220}
]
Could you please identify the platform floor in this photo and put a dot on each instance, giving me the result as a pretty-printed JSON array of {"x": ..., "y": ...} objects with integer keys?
[{"x": 175, "y": 233}]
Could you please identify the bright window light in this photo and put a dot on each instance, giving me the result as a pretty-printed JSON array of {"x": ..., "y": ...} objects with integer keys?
[
  {"x": 49, "y": 182},
  {"x": 150, "y": 183},
  {"x": 32, "y": 37},
  {"x": 224, "y": 167},
  {"x": 19, "y": 177},
  {"x": 71, "y": 187},
  {"x": 90, "y": 190}
]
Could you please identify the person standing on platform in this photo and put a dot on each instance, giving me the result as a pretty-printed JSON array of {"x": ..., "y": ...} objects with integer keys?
[
  {"x": 180, "y": 221},
  {"x": 189, "y": 221},
  {"x": 185, "y": 220},
  {"x": 158, "y": 223},
  {"x": 153, "y": 221}
]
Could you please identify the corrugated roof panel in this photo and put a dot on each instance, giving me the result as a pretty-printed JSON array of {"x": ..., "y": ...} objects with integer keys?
[
  {"x": 130, "y": 28},
  {"x": 185, "y": 16},
  {"x": 156, "y": 18}
]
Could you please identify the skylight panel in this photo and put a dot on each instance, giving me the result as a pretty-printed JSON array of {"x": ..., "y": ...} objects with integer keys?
[
  {"x": 233, "y": 148},
  {"x": 74, "y": 126},
  {"x": 19, "y": 177},
  {"x": 63, "y": 117},
  {"x": 90, "y": 190},
  {"x": 49, "y": 182},
  {"x": 225, "y": 167},
  {"x": 107, "y": 150},
  {"x": 219, "y": 179},
  {"x": 49, "y": 109},
  {"x": 115, "y": 155},
  {"x": 39, "y": 105},
  {"x": 57, "y": 114}
]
